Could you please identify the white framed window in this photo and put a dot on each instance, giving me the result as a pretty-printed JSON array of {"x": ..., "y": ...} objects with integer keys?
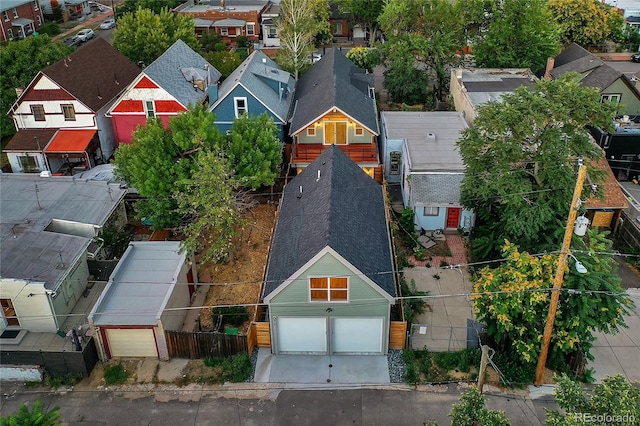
[
  {"x": 328, "y": 289},
  {"x": 273, "y": 32},
  {"x": 372, "y": 92},
  {"x": 431, "y": 211},
  {"x": 15, "y": 12},
  {"x": 359, "y": 131},
  {"x": 251, "y": 28},
  {"x": 611, "y": 98},
  {"x": 5, "y": 15},
  {"x": 38, "y": 112},
  {"x": 394, "y": 162},
  {"x": 39, "y": 19},
  {"x": 9, "y": 33},
  {"x": 28, "y": 164},
  {"x": 69, "y": 112},
  {"x": 224, "y": 31},
  {"x": 150, "y": 109},
  {"x": 36, "y": 6},
  {"x": 240, "y": 105},
  {"x": 311, "y": 131}
]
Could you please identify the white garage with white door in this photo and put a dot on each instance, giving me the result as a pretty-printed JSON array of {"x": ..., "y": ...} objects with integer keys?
[
  {"x": 139, "y": 342},
  {"x": 309, "y": 335}
]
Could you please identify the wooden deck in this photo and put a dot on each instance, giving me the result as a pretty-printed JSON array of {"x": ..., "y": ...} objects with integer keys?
[{"x": 359, "y": 153}]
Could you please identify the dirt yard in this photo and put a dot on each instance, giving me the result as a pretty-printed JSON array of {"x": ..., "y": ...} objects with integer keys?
[{"x": 239, "y": 281}]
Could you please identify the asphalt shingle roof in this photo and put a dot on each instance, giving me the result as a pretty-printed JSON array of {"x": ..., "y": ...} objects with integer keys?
[
  {"x": 94, "y": 74},
  {"x": 175, "y": 69},
  {"x": 436, "y": 189},
  {"x": 344, "y": 210},
  {"x": 334, "y": 81},
  {"x": 577, "y": 59}
]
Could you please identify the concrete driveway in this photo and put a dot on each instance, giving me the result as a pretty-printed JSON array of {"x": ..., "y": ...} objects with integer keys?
[{"x": 318, "y": 369}]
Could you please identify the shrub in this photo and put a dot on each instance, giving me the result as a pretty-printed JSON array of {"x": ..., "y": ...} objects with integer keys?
[
  {"x": 232, "y": 315},
  {"x": 57, "y": 380},
  {"x": 50, "y": 28},
  {"x": 37, "y": 416},
  {"x": 115, "y": 375},
  {"x": 237, "y": 368}
]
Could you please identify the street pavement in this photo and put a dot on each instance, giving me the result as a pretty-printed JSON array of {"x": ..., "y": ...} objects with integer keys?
[{"x": 253, "y": 405}]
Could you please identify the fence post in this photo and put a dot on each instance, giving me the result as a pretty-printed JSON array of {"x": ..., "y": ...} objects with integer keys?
[{"x": 483, "y": 366}]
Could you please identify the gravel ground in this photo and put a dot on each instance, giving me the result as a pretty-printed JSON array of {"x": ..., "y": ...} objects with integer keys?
[
  {"x": 397, "y": 367},
  {"x": 254, "y": 360}
]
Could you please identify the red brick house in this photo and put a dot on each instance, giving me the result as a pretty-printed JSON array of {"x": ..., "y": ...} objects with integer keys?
[{"x": 19, "y": 18}]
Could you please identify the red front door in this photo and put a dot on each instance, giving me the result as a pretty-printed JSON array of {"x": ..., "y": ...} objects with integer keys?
[{"x": 453, "y": 217}]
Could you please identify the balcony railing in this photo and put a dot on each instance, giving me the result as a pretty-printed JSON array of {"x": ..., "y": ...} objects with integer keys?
[{"x": 359, "y": 153}]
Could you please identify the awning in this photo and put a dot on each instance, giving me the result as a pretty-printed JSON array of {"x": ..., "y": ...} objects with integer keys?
[
  {"x": 203, "y": 23},
  {"x": 267, "y": 21},
  {"x": 71, "y": 141},
  {"x": 21, "y": 22},
  {"x": 230, "y": 23}
]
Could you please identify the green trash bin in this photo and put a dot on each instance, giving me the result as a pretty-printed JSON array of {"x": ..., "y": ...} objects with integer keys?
[{"x": 231, "y": 330}]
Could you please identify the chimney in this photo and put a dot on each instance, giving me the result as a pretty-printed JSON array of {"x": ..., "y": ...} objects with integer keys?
[
  {"x": 222, "y": 4},
  {"x": 547, "y": 71},
  {"x": 212, "y": 92}
]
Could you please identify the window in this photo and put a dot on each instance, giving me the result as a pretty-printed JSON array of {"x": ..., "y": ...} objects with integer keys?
[
  {"x": 240, "y": 106},
  {"x": 150, "y": 108},
  {"x": 38, "y": 112},
  {"x": 224, "y": 31},
  {"x": 273, "y": 32},
  {"x": 394, "y": 162},
  {"x": 359, "y": 131},
  {"x": 69, "y": 113},
  {"x": 611, "y": 98},
  {"x": 9, "y": 312},
  {"x": 5, "y": 15},
  {"x": 337, "y": 28},
  {"x": 15, "y": 12},
  {"x": 251, "y": 29},
  {"x": 431, "y": 211},
  {"x": 10, "y": 33},
  {"x": 311, "y": 131},
  {"x": 372, "y": 92},
  {"x": 39, "y": 19},
  {"x": 329, "y": 289},
  {"x": 28, "y": 164},
  {"x": 36, "y": 6}
]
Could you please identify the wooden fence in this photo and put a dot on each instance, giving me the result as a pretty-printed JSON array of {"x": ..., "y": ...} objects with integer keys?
[
  {"x": 200, "y": 344},
  {"x": 397, "y": 334}
]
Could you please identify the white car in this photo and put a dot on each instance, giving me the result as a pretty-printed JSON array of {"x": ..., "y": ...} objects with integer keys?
[
  {"x": 85, "y": 35},
  {"x": 108, "y": 24}
]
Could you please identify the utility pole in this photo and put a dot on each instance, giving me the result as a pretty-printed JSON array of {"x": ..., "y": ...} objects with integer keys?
[
  {"x": 483, "y": 367},
  {"x": 557, "y": 282}
]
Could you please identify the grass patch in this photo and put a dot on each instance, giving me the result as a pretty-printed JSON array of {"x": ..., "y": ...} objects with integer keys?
[
  {"x": 431, "y": 367},
  {"x": 234, "y": 369},
  {"x": 115, "y": 375},
  {"x": 56, "y": 381}
]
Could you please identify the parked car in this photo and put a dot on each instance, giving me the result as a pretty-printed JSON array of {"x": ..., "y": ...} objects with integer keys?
[
  {"x": 315, "y": 57},
  {"x": 635, "y": 57},
  {"x": 71, "y": 41},
  {"x": 85, "y": 35},
  {"x": 108, "y": 24}
]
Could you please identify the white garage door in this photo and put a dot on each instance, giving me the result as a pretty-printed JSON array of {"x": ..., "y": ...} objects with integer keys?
[
  {"x": 357, "y": 335},
  {"x": 131, "y": 342},
  {"x": 302, "y": 335}
]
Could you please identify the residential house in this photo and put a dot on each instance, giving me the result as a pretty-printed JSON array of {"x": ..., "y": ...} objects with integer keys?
[
  {"x": 48, "y": 233},
  {"x": 141, "y": 300},
  {"x": 257, "y": 86},
  {"x": 69, "y": 8},
  {"x": 334, "y": 104},
  {"x": 420, "y": 150},
  {"x": 339, "y": 22},
  {"x": 606, "y": 211},
  {"x": 229, "y": 18},
  {"x": 270, "y": 36},
  {"x": 179, "y": 78},
  {"x": 329, "y": 282},
  {"x": 622, "y": 145},
  {"x": 471, "y": 87},
  {"x": 71, "y": 97},
  {"x": 19, "y": 18}
]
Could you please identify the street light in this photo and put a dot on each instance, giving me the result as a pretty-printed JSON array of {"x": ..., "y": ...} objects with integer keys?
[{"x": 580, "y": 268}]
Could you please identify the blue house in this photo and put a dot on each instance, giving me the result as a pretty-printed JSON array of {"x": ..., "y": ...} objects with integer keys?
[{"x": 258, "y": 85}]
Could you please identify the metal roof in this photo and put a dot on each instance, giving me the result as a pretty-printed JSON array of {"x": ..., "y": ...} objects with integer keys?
[
  {"x": 176, "y": 69},
  {"x": 230, "y": 23},
  {"x": 10, "y": 4},
  {"x": 141, "y": 284},
  {"x": 430, "y": 138},
  {"x": 28, "y": 203}
]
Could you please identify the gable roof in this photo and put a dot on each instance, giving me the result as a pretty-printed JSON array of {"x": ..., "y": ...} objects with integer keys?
[
  {"x": 177, "y": 70},
  {"x": 253, "y": 74},
  {"x": 334, "y": 81},
  {"x": 577, "y": 59},
  {"x": 343, "y": 209},
  {"x": 94, "y": 74}
]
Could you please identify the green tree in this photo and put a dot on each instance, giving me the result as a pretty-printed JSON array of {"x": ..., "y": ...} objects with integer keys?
[
  {"x": 224, "y": 61},
  {"x": 472, "y": 410},
  {"x": 364, "y": 13},
  {"x": 254, "y": 150},
  {"x": 587, "y": 21},
  {"x": 131, "y": 6},
  {"x": 144, "y": 36},
  {"x": 21, "y": 60},
  {"x": 520, "y": 34},
  {"x": 38, "y": 416},
  {"x": 362, "y": 57},
  {"x": 211, "y": 41},
  {"x": 513, "y": 302},
  {"x": 298, "y": 24},
  {"x": 158, "y": 159},
  {"x": 407, "y": 84},
  {"x": 520, "y": 163},
  {"x": 614, "y": 397}
]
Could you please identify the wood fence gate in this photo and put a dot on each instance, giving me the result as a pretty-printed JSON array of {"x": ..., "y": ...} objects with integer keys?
[{"x": 201, "y": 344}]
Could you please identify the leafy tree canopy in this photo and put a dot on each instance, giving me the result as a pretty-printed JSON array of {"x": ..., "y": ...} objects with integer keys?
[
  {"x": 519, "y": 34},
  {"x": 472, "y": 410},
  {"x": 131, "y": 6},
  {"x": 362, "y": 57},
  {"x": 224, "y": 61},
  {"x": 37, "y": 416},
  {"x": 21, "y": 60},
  {"x": 254, "y": 150},
  {"x": 520, "y": 162},
  {"x": 614, "y": 397},
  {"x": 587, "y": 21},
  {"x": 145, "y": 35},
  {"x": 364, "y": 13}
]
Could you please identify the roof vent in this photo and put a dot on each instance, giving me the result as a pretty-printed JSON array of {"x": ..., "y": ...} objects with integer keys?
[
  {"x": 318, "y": 178},
  {"x": 431, "y": 137},
  {"x": 300, "y": 193}
]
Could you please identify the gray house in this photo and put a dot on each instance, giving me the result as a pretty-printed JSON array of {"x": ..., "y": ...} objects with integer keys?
[{"x": 329, "y": 282}]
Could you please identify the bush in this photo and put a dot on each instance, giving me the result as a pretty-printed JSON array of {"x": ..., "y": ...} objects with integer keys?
[
  {"x": 37, "y": 416},
  {"x": 50, "y": 28},
  {"x": 235, "y": 369},
  {"x": 115, "y": 375},
  {"x": 514, "y": 370},
  {"x": 58, "y": 380},
  {"x": 232, "y": 315}
]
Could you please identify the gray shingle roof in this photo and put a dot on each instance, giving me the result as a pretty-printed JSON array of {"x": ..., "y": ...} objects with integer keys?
[
  {"x": 436, "y": 188},
  {"x": 334, "y": 81},
  {"x": 577, "y": 59},
  {"x": 175, "y": 69},
  {"x": 254, "y": 74},
  {"x": 344, "y": 210}
]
